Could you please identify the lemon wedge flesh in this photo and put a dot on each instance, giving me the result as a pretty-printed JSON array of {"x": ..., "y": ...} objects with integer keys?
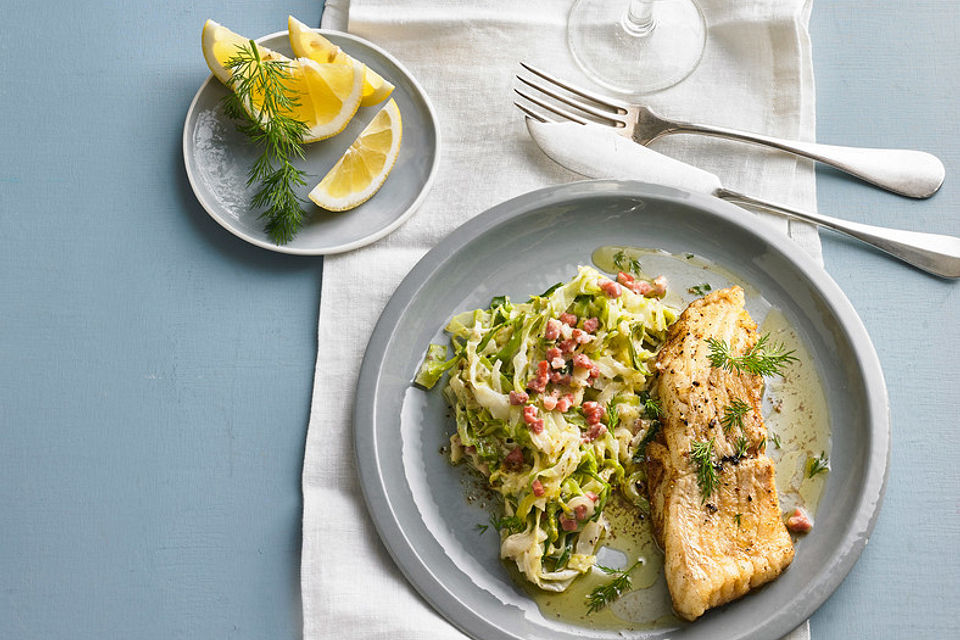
[
  {"x": 307, "y": 43},
  {"x": 327, "y": 96},
  {"x": 365, "y": 166}
]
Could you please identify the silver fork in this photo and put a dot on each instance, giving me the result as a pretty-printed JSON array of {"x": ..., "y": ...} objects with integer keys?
[{"x": 916, "y": 174}]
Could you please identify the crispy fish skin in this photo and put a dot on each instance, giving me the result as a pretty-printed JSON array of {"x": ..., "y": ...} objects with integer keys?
[{"x": 716, "y": 550}]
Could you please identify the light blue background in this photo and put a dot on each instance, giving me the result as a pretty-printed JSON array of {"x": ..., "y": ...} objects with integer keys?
[{"x": 155, "y": 371}]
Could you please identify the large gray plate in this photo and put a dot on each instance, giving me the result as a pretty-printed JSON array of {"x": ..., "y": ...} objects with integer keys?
[
  {"x": 217, "y": 159},
  {"x": 526, "y": 244}
]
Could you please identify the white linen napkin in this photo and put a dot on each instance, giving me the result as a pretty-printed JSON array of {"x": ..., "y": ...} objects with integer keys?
[{"x": 756, "y": 74}]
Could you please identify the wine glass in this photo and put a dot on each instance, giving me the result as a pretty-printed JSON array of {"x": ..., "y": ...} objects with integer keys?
[{"x": 636, "y": 47}]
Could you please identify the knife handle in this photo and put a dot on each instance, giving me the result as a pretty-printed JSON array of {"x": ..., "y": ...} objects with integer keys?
[
  {"x": 916, "y": 174},
  {"x": 933, "y": 253}
]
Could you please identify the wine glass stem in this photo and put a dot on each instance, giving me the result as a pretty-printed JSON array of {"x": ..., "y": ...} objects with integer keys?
[{"x": 639, "y": 21}]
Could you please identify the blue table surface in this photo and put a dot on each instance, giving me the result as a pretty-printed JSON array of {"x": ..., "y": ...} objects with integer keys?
[{"x": 156, "y": 371}]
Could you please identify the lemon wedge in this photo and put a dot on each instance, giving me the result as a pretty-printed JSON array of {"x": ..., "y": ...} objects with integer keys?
[
  {"x": 220, "y": 44},
  {"x": 327, "y": 95},
  {"x": 365, "y": 166},
  {"x": 307, "y": 43}
]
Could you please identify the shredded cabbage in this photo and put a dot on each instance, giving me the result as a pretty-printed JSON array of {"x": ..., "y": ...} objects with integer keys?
[{"x": 555, "y": 465}]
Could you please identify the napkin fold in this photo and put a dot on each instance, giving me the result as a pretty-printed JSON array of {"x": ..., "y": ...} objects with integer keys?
[{"x": 756, "y": 74}]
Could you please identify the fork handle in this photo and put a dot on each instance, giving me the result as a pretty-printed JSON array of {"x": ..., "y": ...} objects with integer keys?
[
  {"x": 934, "y": 253},
  {"x": 916, "y": 174}
]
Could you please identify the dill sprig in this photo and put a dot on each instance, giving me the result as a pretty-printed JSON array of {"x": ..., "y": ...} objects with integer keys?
[
  {"x": 604, "y": 594},
  {"x": 262, "y": 99},
  {"x": 625, "y": 263},
  {"x": 512, "y": 524},
  {"x": 707, "y": 477},
  {"x": 737, "y": 517},
  {"x": 647, "y": 439},
  {"x": 762, "y": 359},
  {"x": 742, "y": 445},
  {"x": 733, "y": 414},
  {"x": 652, "y": 408},
  {"x": 700, "y": 289},
  {"x": 817, "y": 465}
]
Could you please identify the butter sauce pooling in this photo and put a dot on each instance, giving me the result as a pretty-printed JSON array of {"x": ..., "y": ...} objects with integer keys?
[{"x": 794, "y": 410}]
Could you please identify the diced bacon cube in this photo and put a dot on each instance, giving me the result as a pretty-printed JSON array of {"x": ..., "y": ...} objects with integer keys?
[
  {"x": 580, "y": 511},
  {"x": 659, "y": 286},
  {"x": 643, "y": 288},
  {"x": 580, "y": 337},
  {"x": 594, "y": 432},
  {"x": 799, "y": 521},
  {"x": 582, "y": 361},
  {"x": 591, "y": 324},
  {"x": 514, "y": 460},
  {"x": 537, "y": 487},
  {"x": 594, "y": 371},
  {"x": 531, "y": 417},
  {"x": 550, "y": 402},
  {"x": 530, "y": 413},
  {"x": 518, "y": 397},
  {"x": 539, "y": 382},
  {"x": 594, "y": 412},
  {"x": 568, "y": 319},
  {"x": 567, "y": 346},
  {"x": 552, "y": 332},
  {"x": 610, "y": 288},
  {"x": 564, "y": 403},
  {"x": 591, "y": 495},
  {"x": 555, "y": 356},
  {"x": 568, "y": 524}
]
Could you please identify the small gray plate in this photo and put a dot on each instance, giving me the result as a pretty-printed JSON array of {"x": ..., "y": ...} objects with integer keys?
[
  {"x": 523, "y": 246},
  {"x": 217, "y": 158}
]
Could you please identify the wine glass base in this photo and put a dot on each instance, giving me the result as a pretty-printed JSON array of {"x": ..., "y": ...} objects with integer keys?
[{"x": 618, "y": 56}]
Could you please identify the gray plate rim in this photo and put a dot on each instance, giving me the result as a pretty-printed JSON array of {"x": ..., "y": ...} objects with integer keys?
[
  {"x": 225, "y": 221},
  {"x": 455, "y": 608}
]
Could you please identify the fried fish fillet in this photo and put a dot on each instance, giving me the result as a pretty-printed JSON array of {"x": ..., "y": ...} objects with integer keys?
[{"x": 717, "y": 548}]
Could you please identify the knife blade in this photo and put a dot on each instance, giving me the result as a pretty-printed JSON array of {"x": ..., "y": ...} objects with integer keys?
[{"x": 596, "y": 151}]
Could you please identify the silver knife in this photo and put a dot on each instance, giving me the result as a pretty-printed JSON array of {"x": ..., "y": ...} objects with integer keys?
[{"x": 597, "y": 152}]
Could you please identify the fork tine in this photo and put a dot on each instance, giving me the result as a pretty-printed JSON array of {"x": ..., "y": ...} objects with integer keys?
[
  {"x": 560, "y": 111},
  {"x": 530, "y": 113},
  {"x": 613, "y": 103},
  {"x": 613, "y": 119}
]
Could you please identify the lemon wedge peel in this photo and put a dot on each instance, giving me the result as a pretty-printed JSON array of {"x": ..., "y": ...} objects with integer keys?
[
  {"x": 307, "y": 43},
  {"x": 364, "y": 167}
]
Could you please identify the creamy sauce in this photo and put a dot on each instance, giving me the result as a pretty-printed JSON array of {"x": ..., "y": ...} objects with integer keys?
[
  {"x": 647, "y": 606},
  {"x": 794, "y": 410}
]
